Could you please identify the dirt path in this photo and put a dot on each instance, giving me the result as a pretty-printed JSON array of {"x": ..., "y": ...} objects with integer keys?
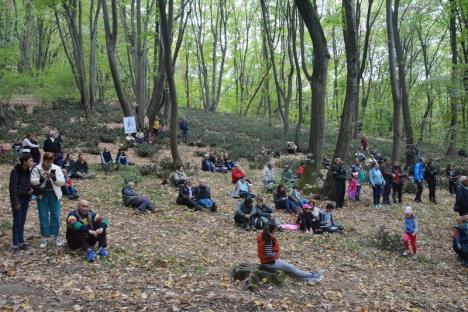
[{"x": 179, "y": 260}]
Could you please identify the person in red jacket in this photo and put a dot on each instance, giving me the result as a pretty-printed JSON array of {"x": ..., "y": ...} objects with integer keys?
[
  {"x": 268, "y": 250},
  {"x": 300, "y": 170},
  {"x": 237, "y": 173}
]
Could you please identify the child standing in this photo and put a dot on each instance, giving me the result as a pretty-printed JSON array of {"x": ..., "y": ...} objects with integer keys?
[
  {"x": 352, "y": 187},
  {"x": 410, "y": 229}
]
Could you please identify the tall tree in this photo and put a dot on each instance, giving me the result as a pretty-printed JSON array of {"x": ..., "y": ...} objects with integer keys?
[{"x": 452, "y": 144}]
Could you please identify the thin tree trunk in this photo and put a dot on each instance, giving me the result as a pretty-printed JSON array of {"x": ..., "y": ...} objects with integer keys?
[{"x": 452, "y": 146}]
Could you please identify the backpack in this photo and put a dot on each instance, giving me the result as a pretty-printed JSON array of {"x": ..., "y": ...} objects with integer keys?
[{"x": 362, "y": 176}]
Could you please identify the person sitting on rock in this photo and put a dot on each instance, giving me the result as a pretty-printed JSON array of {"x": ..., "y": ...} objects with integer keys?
[
  {"x": 245, "y": 214},
  {"x": 237, "y": 173},
  {"x": 268, "y": 251},
  {"x": 69, "y": 189},
  {"x": 202, "y": 196},
  {"x": 243, "y": 189},
  {"x": 85, "y": 228},
  {"x": 207, "y": 165},
  {"x": 106, "y": 159},
  {"x": 121, "y": 158},
  {"x": 326, "y": 220},
  {"x": 81, "y": 169},
  {"x": 186, "y": 196},
  {"x": 180, "y": 176},
  {"x": 282, "y": 200},
  {"x": 460, "y": 239},
  {"x": 133, "y": 199}
]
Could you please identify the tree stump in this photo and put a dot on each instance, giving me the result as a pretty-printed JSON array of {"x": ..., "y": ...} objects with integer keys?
[{"x": 256, "y": 276}]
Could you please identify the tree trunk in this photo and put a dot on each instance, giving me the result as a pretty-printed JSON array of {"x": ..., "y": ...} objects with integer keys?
[
  {"x": 170, "y": 80},
  {"x": 452, "y": 146},
  {"x": 92, "y": 55}
]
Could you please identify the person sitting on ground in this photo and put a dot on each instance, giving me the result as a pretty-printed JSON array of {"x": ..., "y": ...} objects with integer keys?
[
  {"x": 106, "y": 159},
  {"x": 156, "y": 127},
  {"x": 264, "y": 214},
  {"x": 220, "y": 166},
  {"x": 292, "y": 148},
  {"x": 121, "y": 158},
  {"x": 68, "y": 189},
  {"x": 180, "y": 176},
  {"x": 326, "y": 220},
  {"x": 228, "y": 163},
  {"x": 461, "y": 199},
  {"x": 85, "y": 228},
  {"x": 282, "y": 200},
  {"x": 81, "y": 170},
  {"x": 308, "y": 221},
  {"x": 460, "y": 239},
  {"x": 202, "y": 196},
  {"x": 300, "y": 170},
  {"x": 186, "y": 196},
  {"x": 133, "y": 199},
  {"x": 237, "y": 173},
  {"x": 268, "y": 175},
  {"x": 207, "y": 165},
  {"x": 53, "y": 144},
  {"x": 245, "y": 214},
  {"x": 68, "y": 162},
  {"x": 17, "y": 146},
  {"x": 410, "y": 229},
  {"x": 287, "y": 176},
  {"x": 452, "y": 176},
  {"x": 243, "y": 189},
  {"x": 297, "y": 197},
  {"x": 268, "y": 251}
]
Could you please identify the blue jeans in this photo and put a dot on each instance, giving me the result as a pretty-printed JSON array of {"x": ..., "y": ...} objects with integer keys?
[
  {"x": 289, "y": 268},
  {"x": 376, "y": 191},
  {"x": 302, "y": 202},
  {"x": 245, "y": 194},
  {"x": 19, "y": 219},
  {"x": 49, "y": 214},
  {"x": 290, "y": 206},
  {"x": 205, "y": 202}
]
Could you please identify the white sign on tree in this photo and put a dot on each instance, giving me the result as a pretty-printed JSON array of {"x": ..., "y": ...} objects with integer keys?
[{"x": 130, "y": 125}]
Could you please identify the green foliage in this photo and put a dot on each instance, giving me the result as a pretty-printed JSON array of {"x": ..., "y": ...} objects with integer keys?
[
  {"x": 146, "y": 150},
  {"x": 9, "y": 158},
  {"x": 147, "y": 170},
  {"x": 388, "y": 241}
]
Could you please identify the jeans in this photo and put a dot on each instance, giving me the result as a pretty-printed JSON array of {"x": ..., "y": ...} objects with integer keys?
[
  {"x": 49, "y": 214},
  {"x": 340, "y": 186},
  {"x": 407, "y": 238},
  {"x": 386, "y": 192},
  {"x": 432, "y": 190},
  {"x": 78, "y": 239},
  {"x": 142, "y": 203},
  {"x": 397, "y": 188},
  {"x": 19, "y": 219},
  {"x": 452, "y": 187},
  {"x": 376, "y": 190},
  {"x": 419, "y": 191},
  {"x": 289, "y": 268},
  {"x": 184, "y": 135},
  {"x": 245, "y": 194},
  {"x": 358, "y": 192}
]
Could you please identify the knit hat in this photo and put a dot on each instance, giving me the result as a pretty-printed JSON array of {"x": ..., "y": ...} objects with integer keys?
[
  {"x": 307, "y": 206},
  {"x": 408, "y": 210},
  {"x": 355, "y": 174}
]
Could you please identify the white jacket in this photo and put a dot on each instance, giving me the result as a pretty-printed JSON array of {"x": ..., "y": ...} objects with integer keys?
[
  {"x": 56, "y": 185},
  {"x": 27, "y": 145},
  {"x": 268, "y": 174}
]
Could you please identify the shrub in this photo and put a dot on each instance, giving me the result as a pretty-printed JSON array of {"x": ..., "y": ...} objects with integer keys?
[
  {"x": 146, "y": 150},
  {"x": 166, "y": 164},
  {"x": 9, "y": 158},
  {"x": 147, "y": 170},
  {"x": 387, "y": 241}
]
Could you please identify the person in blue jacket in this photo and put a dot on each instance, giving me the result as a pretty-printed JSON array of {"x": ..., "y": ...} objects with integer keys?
[
  {"x": 377, "y": 182},
  {"x": 419, "y": 178},
  {"x": 183, "y": 126}
]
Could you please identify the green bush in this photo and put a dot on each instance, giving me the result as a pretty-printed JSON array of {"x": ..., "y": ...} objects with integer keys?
[
  {"x": 9, "y": 158},
  {"x": 146, "y": 150},
  {"x": 166, "y": 164},
  {"x": 147, "y": 170},
  {"x": 387, "y": 241}
]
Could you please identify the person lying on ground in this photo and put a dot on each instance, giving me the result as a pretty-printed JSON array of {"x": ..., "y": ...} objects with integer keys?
[
  {"x": 85, "y": 228},
  {"x": 180, "y": 176},
  {"x": 202, "y": 196},
  {"x": 81, "y": 169},
  {"x": 133, "y": 199},
  {"x": 460, "y": 239},
  {"x": 268, "y": 175},
  {"x": 268, "y": 251},
  {"x": 106, "y": 159},
  {"x": 69, "y": 189},
  {"x": 245, "y": 214},
  {"x": 243, "y": 189},
  {"x": 186, "y": 196},
  {"x": 282, "y": 200},
  {"x": 326, "y": 220}
]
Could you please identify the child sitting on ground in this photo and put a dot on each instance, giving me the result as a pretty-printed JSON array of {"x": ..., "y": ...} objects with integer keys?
[
  {"x": 326, "y": 220},
  {"x": 68, "y": 189},
  {"x": 410, "y": 229},
  {"x": 308, "y": 221}
]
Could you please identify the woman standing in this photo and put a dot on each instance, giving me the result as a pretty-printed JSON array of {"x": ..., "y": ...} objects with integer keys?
[
  {"x": 268, "y": 250},
  {"x": 48, "y": 180},
  {"x": 377, "y": 181},
  {"x": 452, "y": 176},
  {"x": 20, "y": 195},
  {"x": 430, "y": 175}
]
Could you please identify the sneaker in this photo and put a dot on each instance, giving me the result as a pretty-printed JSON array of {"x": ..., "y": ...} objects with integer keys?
[
  {"x": 24, "y": 246},
  {"x": 413, "y": 255},
  {"x": 315, "y": 279},
  {"x": 90, "y": 255},
  {"x": 376, "y": 206},
  {"x": 59, "y": 242},
  {"x": 406, "y": 252},
  {"x": 379, "y": 206},
  {"x": 44, "y": 242},
  {"x": 102, "y": 252}
]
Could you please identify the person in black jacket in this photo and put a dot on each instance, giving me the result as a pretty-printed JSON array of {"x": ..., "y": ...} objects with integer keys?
[
  {"x": 430, "y": 175},
  {"x": 20, "y": 195},
  {"x": 53, "y": 144},
  {"x": 339, "y": 174},
  {"x": 452, "y": 176},
  {"x": 461, "y": 199},
  {"x": 387, "y": 174},
  {"x": 187, "y": 196}
]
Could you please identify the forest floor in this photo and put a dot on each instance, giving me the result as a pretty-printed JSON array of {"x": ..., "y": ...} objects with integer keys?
[{"x": 180, "y": 260}]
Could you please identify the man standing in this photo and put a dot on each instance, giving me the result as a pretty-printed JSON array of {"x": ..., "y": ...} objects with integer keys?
[
  {"x": 85, "y": 228},
  {"x": 387, "y": 174},
  {"x": 418, "y": 179},
  {"x": 339, "y": 174}
]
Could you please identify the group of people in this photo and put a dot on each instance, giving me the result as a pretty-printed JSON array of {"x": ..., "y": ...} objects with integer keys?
[
  {"x": 217, "y": 162},
  {"x": 121, "y": 159}
]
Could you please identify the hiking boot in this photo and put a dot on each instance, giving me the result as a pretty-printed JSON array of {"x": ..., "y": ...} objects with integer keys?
[
  {"x": 90, "y": 255},
  {"x": 44, "y": 242},
  {"x": 214, "y": 208},
  {"x": 103, "y": 252},
  {"x": 59, "y": 242},
  {"x": 24, "y": 246}
]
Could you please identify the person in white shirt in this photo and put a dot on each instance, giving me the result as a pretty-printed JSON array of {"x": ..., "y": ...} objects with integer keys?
[{"x": 268, "y": 175}]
